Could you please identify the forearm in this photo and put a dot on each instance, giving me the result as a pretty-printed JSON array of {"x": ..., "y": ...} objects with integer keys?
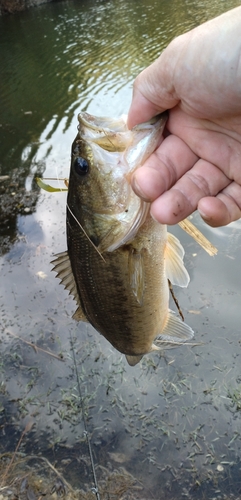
[{"x": 207, "y": 61}]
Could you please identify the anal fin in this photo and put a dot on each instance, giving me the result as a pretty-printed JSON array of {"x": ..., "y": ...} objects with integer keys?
[{"x": 175, "y": 332}]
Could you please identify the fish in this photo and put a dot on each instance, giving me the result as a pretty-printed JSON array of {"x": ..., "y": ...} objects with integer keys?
[{"x": 119, "y": 259}]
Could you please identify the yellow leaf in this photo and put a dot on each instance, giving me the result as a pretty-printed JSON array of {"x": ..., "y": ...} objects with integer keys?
[{"x": 47, "y": 187}]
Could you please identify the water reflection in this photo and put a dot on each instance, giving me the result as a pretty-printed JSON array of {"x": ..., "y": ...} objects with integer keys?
[
  {"x": 58, "y": 59},
  {"x": 171, "y": 422}
]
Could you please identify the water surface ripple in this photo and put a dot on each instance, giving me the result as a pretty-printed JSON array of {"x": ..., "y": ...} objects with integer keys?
[{"x": 172, "y": 422}]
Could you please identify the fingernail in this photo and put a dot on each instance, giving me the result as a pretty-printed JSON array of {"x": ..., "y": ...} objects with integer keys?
[
  {"x": 204, "y": 216},
  {"x": 152, "y": 216},
  {"x": 138, "y": 190}
]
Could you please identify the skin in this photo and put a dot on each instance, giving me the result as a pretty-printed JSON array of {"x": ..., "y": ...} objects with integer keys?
[{"x": 198, "y": 164}]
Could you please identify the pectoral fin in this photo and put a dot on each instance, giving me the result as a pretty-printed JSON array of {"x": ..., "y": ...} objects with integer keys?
[
  {"x": 136, "y": 274},
  {"x": 133, "y": 360},
  {"x": 174, "y": 266},
  {"x": 124, "y": 230},
  {"x": 112, "y": 237},
  {"x": 174, "y": 331}
]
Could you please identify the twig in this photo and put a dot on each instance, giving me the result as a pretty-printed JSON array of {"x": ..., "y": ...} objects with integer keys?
[
  {"x": 36, "y": 349},
  {"x": 175, "y": 300},
  {"x": 190, "y": 229}
]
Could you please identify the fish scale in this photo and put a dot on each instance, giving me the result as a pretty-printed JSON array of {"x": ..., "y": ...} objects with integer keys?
[
  {"x": 119, "y": 259},
  {"x": 106, "y": 296}
]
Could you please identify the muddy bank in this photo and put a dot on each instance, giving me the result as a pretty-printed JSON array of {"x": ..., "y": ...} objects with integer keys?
[
  {"x": 15, "y": 200},
  {"x": 12, "y": 6}
]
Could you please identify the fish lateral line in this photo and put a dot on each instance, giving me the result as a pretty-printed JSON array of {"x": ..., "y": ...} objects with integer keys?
[{"x": 83, "y": 230}]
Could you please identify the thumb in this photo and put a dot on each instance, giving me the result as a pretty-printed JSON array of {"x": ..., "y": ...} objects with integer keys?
[{"x": 153, "y": 90}]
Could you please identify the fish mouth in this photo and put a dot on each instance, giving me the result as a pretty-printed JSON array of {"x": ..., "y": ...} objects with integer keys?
[
  {"x": 114, "y": 135},
  {"x": 111, "y": 135},
  {"x": 99, "y": 123}
]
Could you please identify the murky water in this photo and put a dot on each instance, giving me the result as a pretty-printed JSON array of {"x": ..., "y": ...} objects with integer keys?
[{"x": 173, "y": 423}]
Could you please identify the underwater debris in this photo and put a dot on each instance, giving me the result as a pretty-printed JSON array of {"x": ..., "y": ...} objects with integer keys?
[{"x": 33, "y": 477}]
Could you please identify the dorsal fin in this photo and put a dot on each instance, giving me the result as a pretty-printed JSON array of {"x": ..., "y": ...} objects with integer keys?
[{"x": 64, "y": 272}]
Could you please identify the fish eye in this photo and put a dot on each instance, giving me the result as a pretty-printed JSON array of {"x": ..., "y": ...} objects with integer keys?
[{"x": 81, "y": 165}]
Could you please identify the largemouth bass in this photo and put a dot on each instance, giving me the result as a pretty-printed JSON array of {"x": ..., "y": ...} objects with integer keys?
[{"x": 119, "y": 259}]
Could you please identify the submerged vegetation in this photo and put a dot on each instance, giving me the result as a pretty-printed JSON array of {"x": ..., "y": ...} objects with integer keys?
[
  {"x": 235, "y": 396},
  {"x": 35, "y": 477},
  {"x": 129, "y": 430}
]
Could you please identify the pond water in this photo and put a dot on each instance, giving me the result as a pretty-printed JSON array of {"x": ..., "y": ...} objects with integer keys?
[{"x": 169, "y": 428}]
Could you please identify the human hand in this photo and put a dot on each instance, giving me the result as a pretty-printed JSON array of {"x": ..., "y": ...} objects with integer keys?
[{"x": 198, "y": 164}]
